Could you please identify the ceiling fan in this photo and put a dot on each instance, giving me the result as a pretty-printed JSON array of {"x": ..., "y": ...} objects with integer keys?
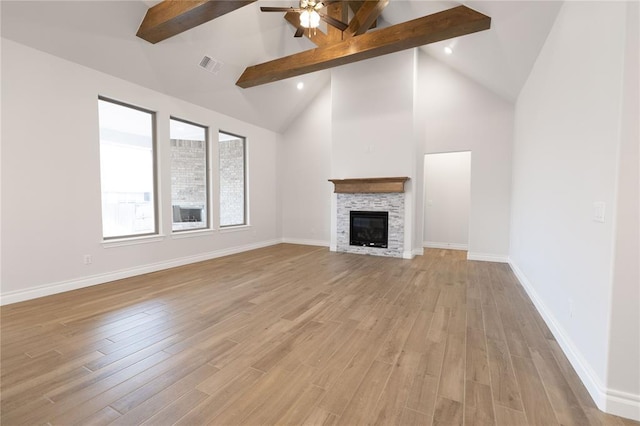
[{"x": 310, "y": 15}]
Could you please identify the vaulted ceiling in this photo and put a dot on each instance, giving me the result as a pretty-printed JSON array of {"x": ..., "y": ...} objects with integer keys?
[{"x": 102, "y": 35}]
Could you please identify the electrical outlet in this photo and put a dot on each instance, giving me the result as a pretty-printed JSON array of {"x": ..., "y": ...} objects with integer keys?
[{"x": 88, "y": 260}]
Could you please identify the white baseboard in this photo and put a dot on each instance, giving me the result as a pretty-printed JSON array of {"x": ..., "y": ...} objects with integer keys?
[
  {"x": 418, "y": 251},
  {"x": 62, "y": 286},
  {"x": 608, "y": 400},
  {"x": 487, "y": 257},
  {"x": 408, "y": 254},
  {"x": 305, "y": 242},
  {"x": 446, "y": 246},
  {"x": 623, "y": 404}
]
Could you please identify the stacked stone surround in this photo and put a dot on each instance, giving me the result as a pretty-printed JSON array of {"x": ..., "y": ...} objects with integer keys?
[{"x": 386, "y": 202}]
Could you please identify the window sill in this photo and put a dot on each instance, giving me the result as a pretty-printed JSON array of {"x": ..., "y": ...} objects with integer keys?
[
  {"x": 192, "y": 234},
  {"x": 236, "y": 228},
  {"x": 120, "y": 242}
]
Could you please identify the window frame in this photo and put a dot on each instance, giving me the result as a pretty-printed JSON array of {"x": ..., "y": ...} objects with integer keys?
[
  {"x": 244, "y": 181},
  {"x": 208, "y": 179},
  {"x": 154, "y": 168}
]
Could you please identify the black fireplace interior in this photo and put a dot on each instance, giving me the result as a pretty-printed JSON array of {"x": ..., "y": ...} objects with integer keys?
[{"x": 369, "y": 229}]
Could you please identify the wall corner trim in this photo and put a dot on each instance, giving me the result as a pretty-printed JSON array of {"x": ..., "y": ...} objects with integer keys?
[
  {"x": 407, "y": 254},
  {"x": 608, "y": 400},
  {"x": 445, "y": 246},
  {"x": 487, "y": 257}
]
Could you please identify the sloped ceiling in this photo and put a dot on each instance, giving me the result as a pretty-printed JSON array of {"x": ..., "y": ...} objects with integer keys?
[{"x": 101, "y": 35}]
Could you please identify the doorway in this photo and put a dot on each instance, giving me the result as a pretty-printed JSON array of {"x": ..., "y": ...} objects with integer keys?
[{"x": 447, "y": 183}]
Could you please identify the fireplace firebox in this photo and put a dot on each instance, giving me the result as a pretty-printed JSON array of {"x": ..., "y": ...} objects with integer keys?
[{"x": 369, "y": 229}]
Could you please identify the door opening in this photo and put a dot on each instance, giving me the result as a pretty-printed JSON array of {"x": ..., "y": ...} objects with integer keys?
[{"x": 447, "y": 200}]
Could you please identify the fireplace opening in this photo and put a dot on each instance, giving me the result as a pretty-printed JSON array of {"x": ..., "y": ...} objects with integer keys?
[{"x": 369, "y": 229}]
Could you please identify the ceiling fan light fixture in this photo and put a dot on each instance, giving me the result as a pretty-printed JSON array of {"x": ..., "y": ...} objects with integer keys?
[
  {"x": 305, "y": 19},
  {"x": 314, "y": 19},
  {"x": 311, "y": 4},
  {"x": 309, "y": 19}
]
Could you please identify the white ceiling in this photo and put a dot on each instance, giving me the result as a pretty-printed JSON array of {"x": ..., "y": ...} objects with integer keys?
[{"x": 101, "y": 35}]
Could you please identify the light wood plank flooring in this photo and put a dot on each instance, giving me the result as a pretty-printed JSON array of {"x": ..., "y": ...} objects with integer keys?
[{"x": 293, "y": 335}]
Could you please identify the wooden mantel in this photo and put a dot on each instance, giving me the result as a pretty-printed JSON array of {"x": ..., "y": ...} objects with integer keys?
[{"x": 364, "y": 185}]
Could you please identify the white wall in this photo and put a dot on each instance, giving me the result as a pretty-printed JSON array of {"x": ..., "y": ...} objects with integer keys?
[
  {"x": 1, "y": 160},
  {"x": 372, "y": 117},
  {"x": 447, "y": 189},
  {"x": 372, "y": 132},
  {"x": 305, "y": 167},
  {"x": 51, "y": 212},
  {"x": 567, "y": 138},
  {"x": 460, "y": 115},
  {"x": 382, "y": 123},
  {"x": 624, "y": 338}
]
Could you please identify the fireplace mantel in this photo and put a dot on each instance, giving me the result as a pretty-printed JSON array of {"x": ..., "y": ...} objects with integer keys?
[{"x": 369, "y": 185}]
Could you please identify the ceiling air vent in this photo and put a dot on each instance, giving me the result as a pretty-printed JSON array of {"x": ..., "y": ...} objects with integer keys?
[{"x": 211, "y": 65}]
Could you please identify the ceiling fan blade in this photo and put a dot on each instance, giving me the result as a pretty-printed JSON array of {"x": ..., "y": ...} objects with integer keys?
[
  {"x": 299, "y": 32},
  {"x": 334, "y": 22},
  {"x": 279, "y": 9}
]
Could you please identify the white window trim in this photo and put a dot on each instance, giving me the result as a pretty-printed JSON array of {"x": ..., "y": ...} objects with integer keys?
[
  {"x": 192, "y": 234},
  {"x": 234, "y": 228},
  {"x": 132, "y": 241}
]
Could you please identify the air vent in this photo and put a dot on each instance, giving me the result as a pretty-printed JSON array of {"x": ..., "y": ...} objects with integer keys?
[{"x": 211, "y": 65}]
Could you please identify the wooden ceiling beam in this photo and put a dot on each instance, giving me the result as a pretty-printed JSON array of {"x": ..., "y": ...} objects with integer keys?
[
  {"x": 172, "y": 17},
  {"x": 355, "y": 5},
  {"x": 440, "y": 26},
  {"x": 317, "y": 36},
  {"x": 337, "y": 10},
  {"x": 366, "y": 15}
]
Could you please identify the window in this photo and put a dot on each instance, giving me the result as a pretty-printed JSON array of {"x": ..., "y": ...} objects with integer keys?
[
  {"x": 127, "y": 170},
  {"x": 232, "y": 180},
  {"x": 189, "y": 182}
]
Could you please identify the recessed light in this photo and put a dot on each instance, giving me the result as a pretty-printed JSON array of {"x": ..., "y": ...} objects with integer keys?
[
  {"x": 448, "y": 50},
  {"x": 300, "y": 86}
]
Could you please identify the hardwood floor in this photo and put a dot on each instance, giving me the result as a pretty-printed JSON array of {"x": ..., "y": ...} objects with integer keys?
[{"x": 293, "y": 335}]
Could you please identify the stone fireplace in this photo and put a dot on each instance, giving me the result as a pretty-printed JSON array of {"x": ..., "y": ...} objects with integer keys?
[{"x": 371, "y": 195}]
